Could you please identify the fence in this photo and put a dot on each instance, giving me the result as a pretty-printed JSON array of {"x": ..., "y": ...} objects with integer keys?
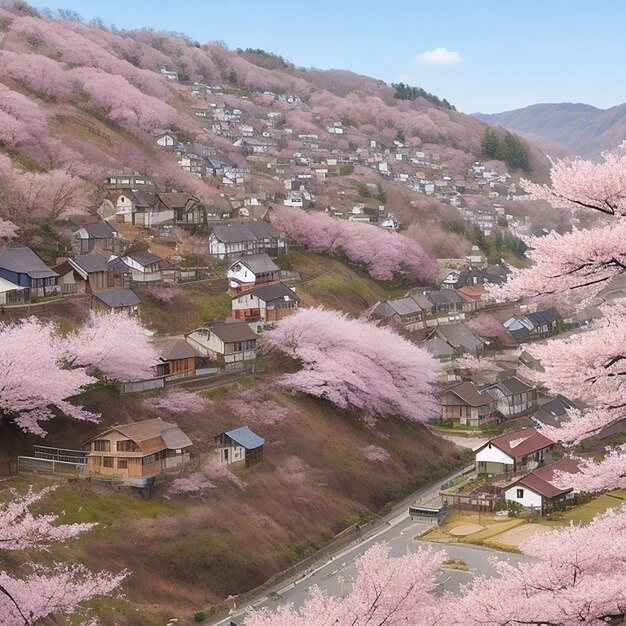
[
  {"x": 31, "y": 464},
  {"x": 144, "y": 385}
]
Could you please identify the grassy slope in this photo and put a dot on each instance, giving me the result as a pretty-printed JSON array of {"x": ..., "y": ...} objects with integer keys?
[{"x": 312, "y": 482}]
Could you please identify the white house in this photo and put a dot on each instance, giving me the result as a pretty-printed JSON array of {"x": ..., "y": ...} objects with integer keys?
[
  {"x": 231, "y": 344},
  {"x": 166, "y": 140},
  {"x": 536, "y": 490},
  {"x": 270, "y": 303},
  {"x": 251, "y": 270},
  {"x": 523, "y": 449}
]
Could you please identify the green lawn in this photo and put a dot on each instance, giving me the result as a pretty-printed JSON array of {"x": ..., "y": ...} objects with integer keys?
[{"x": 584, "y": 513}]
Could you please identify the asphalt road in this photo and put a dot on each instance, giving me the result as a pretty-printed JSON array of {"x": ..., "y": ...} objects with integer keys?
[{"x": 399, "y": 532}]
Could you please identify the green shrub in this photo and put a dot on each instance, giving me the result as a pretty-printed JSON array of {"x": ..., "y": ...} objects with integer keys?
[{"x": 199, "y": 616}]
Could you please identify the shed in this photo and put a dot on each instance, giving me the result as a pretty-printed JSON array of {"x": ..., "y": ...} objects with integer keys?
[{"x": 239, "y": 447}]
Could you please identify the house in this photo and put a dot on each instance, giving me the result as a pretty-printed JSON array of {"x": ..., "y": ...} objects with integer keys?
[
  {"x": 472, "y": 407},
  {"x": 22, "y": 267},
  {"x": 230, "y": 344},
  {"x": 554, "y": 412},
  {"x": 531, "y": 326},
  {"x": 11, "y": 293},
  {"x": 536, "y": 491},
  {"x": 135, "y": 454},
  {"x": 524, "y": 449},
  {"x": 473, "y": 298},
  {"x": 447, "y": 301},
  {"x": 251, "y": 271},
  {"x": 186, "y": 209},
  {"x": 177, "y": 357},
  {"x": 142, "y": 208},
  {"x": 118, "y": 300},
  {"x": 269, "y": 303},
  {"x": 239, "y": 447},
  {"x": 232, "y": 240},
  {"x": 461, "y": 338},
  {"x": 83, "y": 274},
  {"x": 514, "y": 396},
  {"x": 439, "y": 349},
  {"x": 100, "y": 236},
  {"x": 142, "y": 265},
  {"x": 404, "y": 312}
]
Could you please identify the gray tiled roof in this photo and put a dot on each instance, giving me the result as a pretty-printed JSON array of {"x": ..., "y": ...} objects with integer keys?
[
  {"x": 269, "y": 293},
  {"x": 116, "y": 298},
  {"x": 91, "y": 263},
  {"x": 24, "y": 261},
  {"x": 258, "y": 263}
]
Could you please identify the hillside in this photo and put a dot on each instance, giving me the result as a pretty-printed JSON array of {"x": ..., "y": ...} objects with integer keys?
[
  {"x": 577, "y": 129},
  {"x": 319, "y": 475},
  {"x": 80, "y": 102}
]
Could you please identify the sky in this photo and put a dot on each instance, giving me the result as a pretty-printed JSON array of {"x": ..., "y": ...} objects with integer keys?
[{"x": 482, "y": 55}]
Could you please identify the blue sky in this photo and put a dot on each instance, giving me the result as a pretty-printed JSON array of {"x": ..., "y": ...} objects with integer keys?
[{"x": 481, "y": 55}]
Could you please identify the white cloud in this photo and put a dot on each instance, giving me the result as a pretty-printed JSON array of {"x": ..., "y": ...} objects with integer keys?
[{"x": 439, "y": 57}]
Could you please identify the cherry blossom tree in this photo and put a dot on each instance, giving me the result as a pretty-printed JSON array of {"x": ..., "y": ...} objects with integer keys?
[
  {"x": 45, "y": 591},
  {"x": 40, "y": 370},
  {"x": 34, "y": 378},
  {"x": 8, "y": 230},
  {"x": 116, "y": 344},
  {"x": 211, "y": 474},
  {"x": 384, "y": 254},
  {"x": 356, "y": 365},
  {"x": 488, "y": 327}
]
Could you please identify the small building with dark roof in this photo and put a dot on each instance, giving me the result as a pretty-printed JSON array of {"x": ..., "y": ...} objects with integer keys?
[
  {"x": 237, "y": 239},
  {"x": 22, "y": 267},
  {"x": 136, "y": 453},
  {"x": 553, "y": 413},
  {"x": 100, "y": 236},
  {"x": 439, "y": 349},
  {"x": 514, "y": 396},
  {"x": 402, "y": 312},
  {"x": 83, "y": 274},
  {"x": 119, "y": 300},
  {"x": 270, "y": 303},
  {"x": 251, "y": 271},
  {"x": 461, "y": 338},
  {"x": 239, "y": 447},
  {"x": 471, "y": 406},
  {"x": 229, "y": 344},
  {"x": 177, "y": 357}
]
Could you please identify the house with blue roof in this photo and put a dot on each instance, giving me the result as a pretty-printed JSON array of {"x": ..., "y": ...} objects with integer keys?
[{"x": 239, "y": 447}]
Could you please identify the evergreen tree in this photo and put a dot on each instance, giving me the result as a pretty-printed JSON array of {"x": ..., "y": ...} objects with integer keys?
[{"x": 489, "y": 143}]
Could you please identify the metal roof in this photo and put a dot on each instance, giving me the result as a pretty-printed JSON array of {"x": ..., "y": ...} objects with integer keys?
[
  {"x": 89, "y": 263},
  {"x": 229, "y": 333},
  {"x": 24, "y": 261},
  {"x": 176, "y": 349},
  {"x": 268, "y": 293},
  {"x": 116, "y": 298},
  {"x": 257, "y": 263},
  {"x": 245, "y": 437}
]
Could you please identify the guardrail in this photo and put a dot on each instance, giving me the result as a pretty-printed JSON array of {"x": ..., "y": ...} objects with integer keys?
[{"x": 31, "y": 464}]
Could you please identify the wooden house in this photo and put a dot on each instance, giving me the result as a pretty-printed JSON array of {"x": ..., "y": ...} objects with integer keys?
[
  {"x": 119, "y": 300},
  {"x": 100, "y": 236},
  {"x": 232, "y": 240},
  {"x": 177, "y": 357},
  {"x": 403, "y": 312},
  {"x": 135, "y": 454},
  {"x": 83, "y": 274},
  {"x": 526, "y": 449},
  {"x": 252, "y": 271},
  {"x": 269, "y": 303},
  {"x": 468, "y": 404},
  {"x": 229, "y": 344},
  {"x": 239, "y": 448},
  {"x": 22, "y": 267},
  {"x": 514, "y": 396}
]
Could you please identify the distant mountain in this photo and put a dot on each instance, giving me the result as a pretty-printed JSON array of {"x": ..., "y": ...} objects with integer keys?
[{"x": 577, "y": 129}]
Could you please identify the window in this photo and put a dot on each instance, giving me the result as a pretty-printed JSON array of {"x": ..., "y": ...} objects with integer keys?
[
  {"x": 102, "y": 445},
  {"x": 520, "y": 493},
  {"x": 126, "y": 446},
  {"x": 107, "y": 461},
  {"x": 122, "y": 463}
]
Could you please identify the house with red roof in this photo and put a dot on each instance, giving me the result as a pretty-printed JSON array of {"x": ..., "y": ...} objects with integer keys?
[
  {"x": 536, "y": 491},
  {"x": 525, "y": 449}
]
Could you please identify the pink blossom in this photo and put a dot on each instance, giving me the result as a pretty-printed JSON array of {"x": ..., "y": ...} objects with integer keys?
[
  {"x": 356, "y": 365},
  {"x": 375, "y": 453},
  {"x": 211, "y": 475},
  {"x": 384, "y": 254}
]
